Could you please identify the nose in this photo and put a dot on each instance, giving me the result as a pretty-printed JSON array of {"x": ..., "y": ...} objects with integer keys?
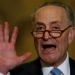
[{"x": 46, "y": 35}]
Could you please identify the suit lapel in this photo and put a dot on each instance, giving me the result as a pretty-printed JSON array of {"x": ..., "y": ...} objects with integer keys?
[
  {"x": 72, "y": 67},
  {"x": 35, "y": 68}
]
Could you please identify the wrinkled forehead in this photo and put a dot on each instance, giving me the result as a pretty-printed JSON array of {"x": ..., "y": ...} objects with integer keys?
[{"x": 51, "y": 13}]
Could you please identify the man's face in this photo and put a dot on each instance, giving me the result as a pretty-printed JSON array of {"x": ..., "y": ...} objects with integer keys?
[{"x": 52, "y": 50}]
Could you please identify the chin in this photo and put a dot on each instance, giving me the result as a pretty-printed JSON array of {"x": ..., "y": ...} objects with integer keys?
[{"x": 48, "y": 60}]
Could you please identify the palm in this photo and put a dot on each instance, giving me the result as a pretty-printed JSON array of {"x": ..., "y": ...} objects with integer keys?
[{"x": 8, "y": 57}]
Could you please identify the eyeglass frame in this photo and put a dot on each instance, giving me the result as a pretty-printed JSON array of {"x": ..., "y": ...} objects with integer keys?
[{"x": 61, "y": 32}]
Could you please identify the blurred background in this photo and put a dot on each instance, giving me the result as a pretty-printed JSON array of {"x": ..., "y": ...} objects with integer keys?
[{"x": 18, "y": 13}]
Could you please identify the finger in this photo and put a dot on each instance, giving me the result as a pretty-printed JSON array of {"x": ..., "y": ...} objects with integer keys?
[
  {"x": 6, "y": 32},
  {"x": 14, "y": 35},
  {"x": 25, "y": 57},
  {"x": 1, "y": 33}
]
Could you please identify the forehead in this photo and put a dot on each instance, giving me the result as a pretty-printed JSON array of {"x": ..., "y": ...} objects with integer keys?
[{"x": 48, "y": 14}]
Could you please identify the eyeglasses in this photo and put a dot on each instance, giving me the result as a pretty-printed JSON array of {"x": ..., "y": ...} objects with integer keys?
[{"x": 52, "y": 33}]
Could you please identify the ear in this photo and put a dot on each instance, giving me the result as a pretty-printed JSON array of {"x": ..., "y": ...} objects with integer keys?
[{"x": 71, "y": 35}]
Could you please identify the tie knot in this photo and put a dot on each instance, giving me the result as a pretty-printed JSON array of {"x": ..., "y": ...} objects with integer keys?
[{"x": 55, "y": 71}]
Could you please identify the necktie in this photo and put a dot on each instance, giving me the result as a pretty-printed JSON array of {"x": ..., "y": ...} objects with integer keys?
[{"x": 55, "y": 71}]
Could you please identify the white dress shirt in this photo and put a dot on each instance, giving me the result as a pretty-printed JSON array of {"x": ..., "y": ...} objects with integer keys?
[{"x": 64, "y": 67}]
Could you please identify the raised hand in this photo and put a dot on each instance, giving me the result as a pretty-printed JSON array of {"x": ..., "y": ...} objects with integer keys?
[{"x": 8, "y": 57}]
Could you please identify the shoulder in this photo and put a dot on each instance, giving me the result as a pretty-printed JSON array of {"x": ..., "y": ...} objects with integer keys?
[
  {"x": 72, "y": 66},
  {"x": 72, "y": 61},
  {"x": 26, "y": 67}
]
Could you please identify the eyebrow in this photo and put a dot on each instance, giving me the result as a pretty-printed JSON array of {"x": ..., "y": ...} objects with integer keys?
[
  {"x": 39, "y": 23},
  {"x": 55, "y": 22}
]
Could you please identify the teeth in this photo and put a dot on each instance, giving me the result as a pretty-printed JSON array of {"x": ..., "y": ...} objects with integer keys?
[{"x": 49, "y": 46}]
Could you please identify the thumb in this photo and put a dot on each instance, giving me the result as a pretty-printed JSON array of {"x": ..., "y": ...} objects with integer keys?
[{"x": 25, "y": 56}]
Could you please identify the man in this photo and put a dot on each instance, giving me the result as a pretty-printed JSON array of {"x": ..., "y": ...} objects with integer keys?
[{"x": 53, "y": 31}]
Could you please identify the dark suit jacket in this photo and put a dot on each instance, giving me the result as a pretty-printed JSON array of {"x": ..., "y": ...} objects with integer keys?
[{"x": 34, "y": 68}]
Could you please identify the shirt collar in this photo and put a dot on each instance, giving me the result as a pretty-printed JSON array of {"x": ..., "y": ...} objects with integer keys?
[{"x": 64, "y": 67}]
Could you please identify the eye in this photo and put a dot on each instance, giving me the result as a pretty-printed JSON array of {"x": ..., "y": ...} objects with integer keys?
[
  {"x": 55, "y": 28},
  {"x": 40, "y": 29}
]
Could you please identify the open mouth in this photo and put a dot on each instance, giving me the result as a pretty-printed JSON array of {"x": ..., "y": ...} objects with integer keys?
[{"x": 49, "y": 46}]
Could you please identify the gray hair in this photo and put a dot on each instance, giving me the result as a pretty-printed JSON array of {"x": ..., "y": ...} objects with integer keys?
[{"x": 69, "y": 11}]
